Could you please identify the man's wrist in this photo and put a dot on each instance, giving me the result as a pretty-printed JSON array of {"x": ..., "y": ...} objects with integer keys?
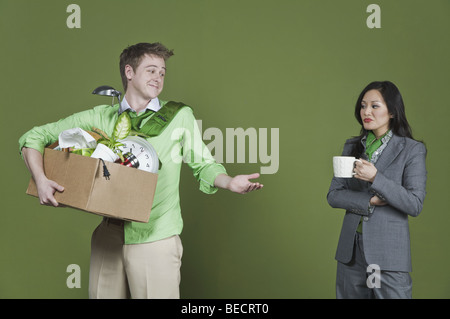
[{"x": 222, "y": 181}]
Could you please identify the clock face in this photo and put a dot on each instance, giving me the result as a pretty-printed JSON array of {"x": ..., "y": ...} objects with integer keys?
[{"x": 144, "y": 152}]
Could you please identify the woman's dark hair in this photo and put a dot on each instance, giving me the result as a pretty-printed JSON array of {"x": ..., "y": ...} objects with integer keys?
[{"x": 394, "y": 102}]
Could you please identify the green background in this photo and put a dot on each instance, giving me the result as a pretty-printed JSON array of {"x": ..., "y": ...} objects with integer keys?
[{"x": 294, "y": 65}]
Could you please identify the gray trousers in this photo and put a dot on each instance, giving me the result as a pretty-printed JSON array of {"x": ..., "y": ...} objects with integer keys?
[{"x": 355, "y": 280}]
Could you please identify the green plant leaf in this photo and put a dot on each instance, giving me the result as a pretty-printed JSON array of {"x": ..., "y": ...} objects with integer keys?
[
  {"x": 103, "y": 141},
  {"x": 136, "y": 133},
  {"x": 123, "y": 126},
  {"x": 118, "y": 144}
]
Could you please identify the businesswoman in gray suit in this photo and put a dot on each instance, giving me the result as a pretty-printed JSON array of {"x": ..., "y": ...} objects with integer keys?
[{"x": 388, "y": 186}]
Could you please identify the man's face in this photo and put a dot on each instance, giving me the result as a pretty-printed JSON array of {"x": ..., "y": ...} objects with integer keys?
[{"x": 147, "y": 80}]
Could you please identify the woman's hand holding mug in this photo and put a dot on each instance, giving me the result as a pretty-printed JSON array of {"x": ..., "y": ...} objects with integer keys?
[{"x": 365, "y": 171}]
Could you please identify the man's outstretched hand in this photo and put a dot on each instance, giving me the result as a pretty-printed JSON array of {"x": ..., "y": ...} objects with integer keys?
[{"x": 240, "y": 184}]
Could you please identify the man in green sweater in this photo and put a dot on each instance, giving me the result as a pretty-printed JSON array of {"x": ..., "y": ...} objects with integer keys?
[{"x": 129, "y": 259}]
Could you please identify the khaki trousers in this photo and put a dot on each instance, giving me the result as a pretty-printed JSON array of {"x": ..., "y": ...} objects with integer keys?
[{"x": 149, "y": 270}]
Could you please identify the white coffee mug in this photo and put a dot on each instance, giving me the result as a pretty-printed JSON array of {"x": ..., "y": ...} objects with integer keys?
[{"x": 343, "y": 166}]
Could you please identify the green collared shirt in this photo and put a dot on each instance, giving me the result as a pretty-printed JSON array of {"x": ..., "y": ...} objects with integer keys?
[{"x": 181, "y": 141}]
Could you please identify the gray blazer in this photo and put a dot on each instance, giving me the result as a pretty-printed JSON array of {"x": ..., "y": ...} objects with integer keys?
[{"x": 400, "y": 181}]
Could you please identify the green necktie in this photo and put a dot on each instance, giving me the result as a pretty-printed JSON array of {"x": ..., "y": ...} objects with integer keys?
[
  {"x": 152, "y": 123},
  {"x": 136, "y": 120}
]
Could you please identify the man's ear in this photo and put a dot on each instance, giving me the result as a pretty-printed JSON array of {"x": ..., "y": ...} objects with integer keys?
[{"x": 129, "y": 72}]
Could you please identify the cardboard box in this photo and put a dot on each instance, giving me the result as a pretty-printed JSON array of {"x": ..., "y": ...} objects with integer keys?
[{"x": 127, "y": 195}]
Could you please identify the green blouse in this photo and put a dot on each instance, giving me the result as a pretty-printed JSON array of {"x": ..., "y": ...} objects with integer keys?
[{"x": 374, "y": 147}]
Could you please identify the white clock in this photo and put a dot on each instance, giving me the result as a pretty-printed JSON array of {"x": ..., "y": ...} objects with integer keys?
[{"x": 144, "y": 152}]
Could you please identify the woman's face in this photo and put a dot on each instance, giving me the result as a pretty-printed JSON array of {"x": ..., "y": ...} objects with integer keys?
[{"x": 374, "y": 113}]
